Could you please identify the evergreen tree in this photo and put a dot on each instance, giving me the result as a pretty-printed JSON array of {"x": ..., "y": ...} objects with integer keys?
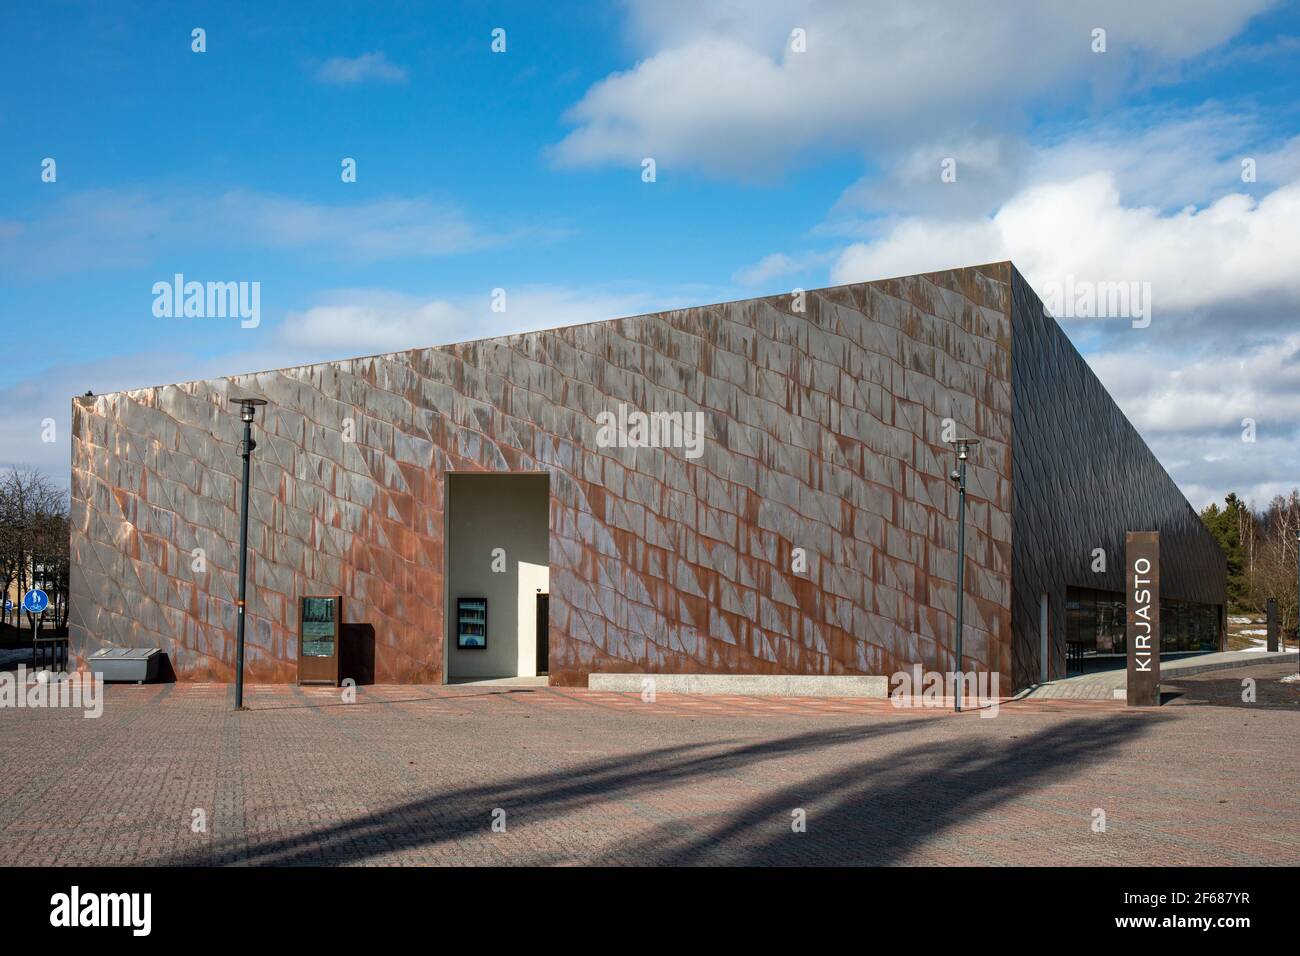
[{"x": 1226, "y": 524}]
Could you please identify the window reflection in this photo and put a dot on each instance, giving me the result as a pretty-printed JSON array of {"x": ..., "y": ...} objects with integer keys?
[{"x": 1095, "y": 625}]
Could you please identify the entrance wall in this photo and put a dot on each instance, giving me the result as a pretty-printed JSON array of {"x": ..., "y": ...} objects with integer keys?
[{"x": 497, "y": 543}]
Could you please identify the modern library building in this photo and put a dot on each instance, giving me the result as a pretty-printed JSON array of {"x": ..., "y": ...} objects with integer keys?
[{"x": 753, "y": 488}]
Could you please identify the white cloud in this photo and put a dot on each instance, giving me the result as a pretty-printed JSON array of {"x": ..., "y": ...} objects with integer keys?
[
  {"x": 347, "y": 71},
  {"x": 1192, "y": 391},
  {"x": 380, "y": 229},
  {"x": 378, "y": 322},
  {"x": 779, "y": 264},
  {"x": 360, "y": 321},
  {"x": 1165, "y": 158},
  {"x": 720, "y": 89},
  {"x": 1170, "y": 159},
  {"x": 1238, "y": 251},
  {"x": 1208, "y": 465},
  {"x": 122, "y": 228}
]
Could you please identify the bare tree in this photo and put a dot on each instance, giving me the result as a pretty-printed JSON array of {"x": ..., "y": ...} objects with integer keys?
[
  {"x": 33, "y": 539},
  {"x": 1276, "y": 572}
]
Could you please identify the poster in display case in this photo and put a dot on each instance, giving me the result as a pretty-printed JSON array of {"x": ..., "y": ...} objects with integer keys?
[
  {"x": 319, "y": 624},
  {"x": 471, "y": 623}
]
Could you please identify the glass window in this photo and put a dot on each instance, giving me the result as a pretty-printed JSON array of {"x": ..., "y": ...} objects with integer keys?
[{"x": 1096, "y": 623}]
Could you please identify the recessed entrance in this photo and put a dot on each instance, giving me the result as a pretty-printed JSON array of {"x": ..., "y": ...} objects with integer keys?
[
  {"x": 543, "y": 633},
  {"x": 498, "y": 575}
]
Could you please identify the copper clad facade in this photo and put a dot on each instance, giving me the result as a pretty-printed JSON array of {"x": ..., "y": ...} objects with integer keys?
[{"x": 824, "y": 432}]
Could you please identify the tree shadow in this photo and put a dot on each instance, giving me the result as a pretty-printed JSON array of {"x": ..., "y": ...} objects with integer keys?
[
  {"x": 1226, "y": 689},
  {"x": 876, "y": 812},
  {"x": 361, "y": 703},
  {"x": 449, "y": 816},
  {"x": 867, "y": 811}
]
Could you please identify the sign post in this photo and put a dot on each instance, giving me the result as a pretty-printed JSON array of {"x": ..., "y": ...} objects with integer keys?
[
  {"x": 1272, "y": 624},
  {"x": 1142, "y": 599},
  {"x": 35, "y": 602}
]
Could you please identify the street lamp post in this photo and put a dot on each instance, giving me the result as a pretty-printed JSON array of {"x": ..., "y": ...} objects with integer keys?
[
  {"x": 958, "y": 475},
  {"x": 247, "y": 412}
]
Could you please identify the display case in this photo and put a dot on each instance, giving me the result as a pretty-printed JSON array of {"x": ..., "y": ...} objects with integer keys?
[
  {"x": 319, "y": 625},
  {"x": 471, "y": 624}
]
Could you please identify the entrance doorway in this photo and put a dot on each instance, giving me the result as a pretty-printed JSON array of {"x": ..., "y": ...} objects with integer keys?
[
  {"x": 497, "y": 566},
  {"x": 543, "y": 634}
]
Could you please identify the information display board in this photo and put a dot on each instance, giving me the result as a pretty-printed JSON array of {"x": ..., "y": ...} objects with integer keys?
[
  {"x": 319, "y": 622},
  {"x": 471, "y": 623}
]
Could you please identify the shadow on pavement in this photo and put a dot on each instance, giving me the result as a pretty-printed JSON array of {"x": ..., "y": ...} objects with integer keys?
[
  {"x": 876, "y": 812},
  {"x": 1225, "y": 688},
  {"x": 869, "y": 811}
]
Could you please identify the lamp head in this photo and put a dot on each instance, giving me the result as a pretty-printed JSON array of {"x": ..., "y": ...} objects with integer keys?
[
  {"x": 247, "y": 407},
  {"x": 963, "y": 445}
]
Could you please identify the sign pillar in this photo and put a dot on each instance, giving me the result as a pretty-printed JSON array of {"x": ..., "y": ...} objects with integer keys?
[
  {"x": 1272, "y": 624},
  {"x": 1142, "y": 600}
]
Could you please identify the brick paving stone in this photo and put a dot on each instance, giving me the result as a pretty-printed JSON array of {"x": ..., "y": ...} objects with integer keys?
[{"x": 413, "y": 775}]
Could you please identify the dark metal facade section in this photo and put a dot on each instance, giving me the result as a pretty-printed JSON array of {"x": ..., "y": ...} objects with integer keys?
[
  {"x": 1083, "y": 477},
  {"x": 824, "y": 432}
]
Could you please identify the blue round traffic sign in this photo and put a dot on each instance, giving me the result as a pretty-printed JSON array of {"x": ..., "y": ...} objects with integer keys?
[{"x": 35, "y": 601}]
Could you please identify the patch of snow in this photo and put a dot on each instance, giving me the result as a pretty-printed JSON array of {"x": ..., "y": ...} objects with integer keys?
[{"x": 16, "y": 655}]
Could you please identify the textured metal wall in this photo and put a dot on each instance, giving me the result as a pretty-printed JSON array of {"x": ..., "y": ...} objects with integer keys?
[
  {"x": 1083, "y": 477},
  {"x": 824, "y": 432}
]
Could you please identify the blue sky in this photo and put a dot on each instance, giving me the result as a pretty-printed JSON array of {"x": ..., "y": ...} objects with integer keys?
[{"x": 775, "y": 168}]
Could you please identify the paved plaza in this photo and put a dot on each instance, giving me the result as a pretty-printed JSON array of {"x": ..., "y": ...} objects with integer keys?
[
  {"x": 1110, "y": 683},
  {"x": 419, "y": 775}
]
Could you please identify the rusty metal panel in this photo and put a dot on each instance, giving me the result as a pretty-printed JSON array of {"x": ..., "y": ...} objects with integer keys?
[{"x": 824, "y": 432}]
